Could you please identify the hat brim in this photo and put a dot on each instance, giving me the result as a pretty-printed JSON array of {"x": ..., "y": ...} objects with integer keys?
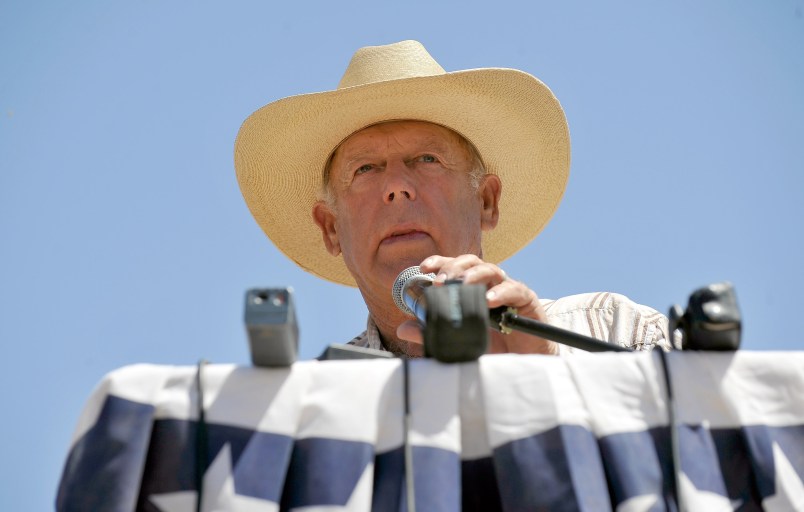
[{"x": 512, "y": 118}]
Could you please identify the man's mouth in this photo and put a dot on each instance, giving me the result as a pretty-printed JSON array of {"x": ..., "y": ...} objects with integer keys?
[{"x": 404, "y": 235}]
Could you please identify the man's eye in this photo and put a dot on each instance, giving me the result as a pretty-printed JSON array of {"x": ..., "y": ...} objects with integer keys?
[
  {"x": 364, "y": 168},
  {"x": 429, "y": 159}
]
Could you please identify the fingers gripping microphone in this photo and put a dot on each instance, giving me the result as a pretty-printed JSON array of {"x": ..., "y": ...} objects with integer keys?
[{"x": 455, "y": 316}]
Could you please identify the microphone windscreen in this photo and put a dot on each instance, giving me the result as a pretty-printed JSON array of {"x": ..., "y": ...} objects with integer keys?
[{"x": 403, "y": 281}]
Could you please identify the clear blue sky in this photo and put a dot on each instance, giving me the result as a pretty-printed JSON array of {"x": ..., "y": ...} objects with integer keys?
[{"x": 124, "y": 237}]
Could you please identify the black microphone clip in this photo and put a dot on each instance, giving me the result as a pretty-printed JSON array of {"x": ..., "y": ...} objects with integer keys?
[{"x": 456, "y": 329}]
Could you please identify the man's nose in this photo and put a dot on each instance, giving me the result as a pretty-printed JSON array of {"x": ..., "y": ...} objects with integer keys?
[{"x": 399, "y": 182}]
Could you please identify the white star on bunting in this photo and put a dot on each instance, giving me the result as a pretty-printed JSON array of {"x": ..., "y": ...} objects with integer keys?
[
  {"x": 638, "y": 503},
  {"x": 789, "y": 488},
  {"x": 695, "y": 499}
]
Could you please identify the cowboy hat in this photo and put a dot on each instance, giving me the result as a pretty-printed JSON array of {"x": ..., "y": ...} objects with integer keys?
[{"x": 512, "y": 118}]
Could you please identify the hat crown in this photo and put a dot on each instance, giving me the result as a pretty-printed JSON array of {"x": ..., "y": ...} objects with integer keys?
[{"x": 406, "y": 59}]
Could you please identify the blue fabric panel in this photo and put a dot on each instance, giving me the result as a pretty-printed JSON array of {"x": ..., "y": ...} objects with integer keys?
[
  {"x": 436, "y": 479},
  {"x": 103, "y": 469},
  {"x": 759, "y": 440},
  {"x": 559, "y": 469},
  {"x": 586, "y": 466},
  {"x": 735, "y": 466},
  {"x": 324, "y": 471},
  {"x": 260, "y": 470},
  {"x": 699, "y": 459},
  {"x": 171, "y": 461},
  {"x": 389, "y": 480},
  {"x": 479, "y": 491},
  {"x": 632, "y": 461},
  {"x": 790, "y": 441}
]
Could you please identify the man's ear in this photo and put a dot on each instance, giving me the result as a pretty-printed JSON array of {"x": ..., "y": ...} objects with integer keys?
[
  {"x": 489, "y": 191},
  {"x": 325, "y": 220}
]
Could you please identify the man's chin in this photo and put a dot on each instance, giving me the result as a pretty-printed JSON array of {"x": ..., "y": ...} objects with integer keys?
[{"x": 411, "y": 259}]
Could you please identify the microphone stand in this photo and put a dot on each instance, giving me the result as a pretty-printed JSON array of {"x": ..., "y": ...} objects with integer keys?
[
  {"x": 507, "y": 321},
  {"x": 456, "y": 327}
]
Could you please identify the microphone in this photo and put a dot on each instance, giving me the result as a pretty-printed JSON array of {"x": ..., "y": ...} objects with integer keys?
[
  {"x": 408, "y": 292},
  {"x": 455, "y": 316},
  {"x": 410, "y": 297}
]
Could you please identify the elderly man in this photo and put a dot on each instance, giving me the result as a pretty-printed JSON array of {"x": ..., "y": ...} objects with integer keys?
[{"x": 405, "y": 164}]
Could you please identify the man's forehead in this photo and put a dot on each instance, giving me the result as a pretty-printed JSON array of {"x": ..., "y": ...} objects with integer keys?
[{"x": 421, "y": 133}]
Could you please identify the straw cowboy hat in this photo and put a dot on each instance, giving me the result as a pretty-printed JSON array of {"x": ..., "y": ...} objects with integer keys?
[{"x": 511, "y": 117}]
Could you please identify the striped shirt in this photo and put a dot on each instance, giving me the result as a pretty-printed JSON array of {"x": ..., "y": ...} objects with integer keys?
[{"x": 609, "y": 317}]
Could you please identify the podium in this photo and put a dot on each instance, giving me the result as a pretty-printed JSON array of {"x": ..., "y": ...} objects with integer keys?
[{"x": 508, "y": 432}]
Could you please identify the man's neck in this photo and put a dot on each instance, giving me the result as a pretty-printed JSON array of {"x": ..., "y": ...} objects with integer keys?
[{"x": 387, "y": 317}]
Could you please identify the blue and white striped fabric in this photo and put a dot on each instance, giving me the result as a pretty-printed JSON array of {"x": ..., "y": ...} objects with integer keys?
[{"x": 587, "y": 432}]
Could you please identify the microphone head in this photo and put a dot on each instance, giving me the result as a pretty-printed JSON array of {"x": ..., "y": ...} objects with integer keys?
[{"x": 405, "y": 278}]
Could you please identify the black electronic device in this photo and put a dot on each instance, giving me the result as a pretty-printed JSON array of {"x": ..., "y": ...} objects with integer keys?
[
  {"x": 337, "y": 351},
  {"x": 712, "y": 320},
  {"x": 273, "y": 333}
]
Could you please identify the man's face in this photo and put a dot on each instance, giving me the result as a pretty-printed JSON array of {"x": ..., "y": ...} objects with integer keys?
[{"x": 402, "y": 192}]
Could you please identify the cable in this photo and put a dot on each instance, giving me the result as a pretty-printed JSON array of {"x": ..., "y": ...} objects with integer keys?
[
  {"x": 201, "y": 445},
  {"x": 409, "y": 486},
  {"x": 675, "y": 460}
]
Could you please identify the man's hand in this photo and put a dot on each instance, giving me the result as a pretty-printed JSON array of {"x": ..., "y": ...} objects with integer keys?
[{"x": 501, "y": 291}]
